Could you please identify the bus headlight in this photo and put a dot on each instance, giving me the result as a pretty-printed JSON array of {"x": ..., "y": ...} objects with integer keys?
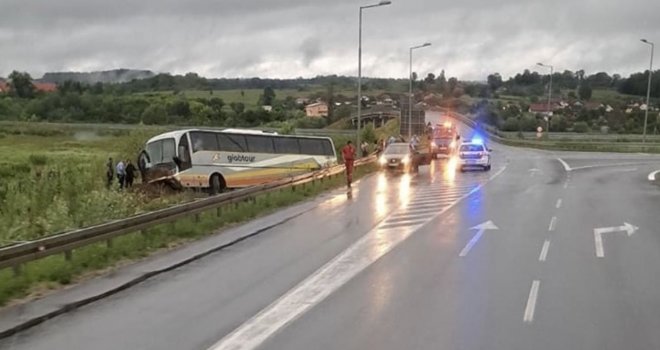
[
  {"x": 405, "y": 160},
  {"x": 452, "y": 144},
  {"x": 382, "y": 160}
]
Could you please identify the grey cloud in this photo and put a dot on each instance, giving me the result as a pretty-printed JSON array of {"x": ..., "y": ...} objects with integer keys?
[
  {"x": 311, "y": 49},
  {"x": 290, "y": 38}
]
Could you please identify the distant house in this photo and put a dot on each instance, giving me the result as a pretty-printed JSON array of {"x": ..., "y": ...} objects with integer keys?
[
  {"x": 302, "y": 101},
  {"x": 316, "y": 110},
  {"x": 267, "y": 108},
  {"x": 39, "y": 87},
  {"x": 592, "y": 105},
  {"x": 45, "y": 87},
  {"x": 542, "y": 108}
]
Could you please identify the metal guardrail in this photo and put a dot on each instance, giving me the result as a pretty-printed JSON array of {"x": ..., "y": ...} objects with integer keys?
[
  {"x": 559, "y": 144},
  {"x": 17, "y": 254}
]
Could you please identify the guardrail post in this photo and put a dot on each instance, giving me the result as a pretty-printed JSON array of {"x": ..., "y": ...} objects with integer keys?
[
  {"x": 109, "y": 243},
  {"x": 17, "y": 270},
  {"x": 143, "y": 232},
  {"x": 218, "y": 211},
  {"x": 197, "y": 217},
  {"x": 68, "y": 255}
]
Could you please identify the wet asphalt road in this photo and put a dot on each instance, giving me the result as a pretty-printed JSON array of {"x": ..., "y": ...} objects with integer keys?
[{"x": 397, "y": 265}]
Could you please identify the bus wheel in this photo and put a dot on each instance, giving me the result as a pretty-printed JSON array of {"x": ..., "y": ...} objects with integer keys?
[{"x": 217, "y": 184}]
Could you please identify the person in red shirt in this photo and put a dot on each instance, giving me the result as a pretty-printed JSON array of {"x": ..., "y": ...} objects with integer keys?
[{"x": 348, "y": 153}]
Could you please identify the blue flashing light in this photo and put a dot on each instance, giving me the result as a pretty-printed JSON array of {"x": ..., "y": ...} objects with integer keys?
[{"x": 478, "y": 141}]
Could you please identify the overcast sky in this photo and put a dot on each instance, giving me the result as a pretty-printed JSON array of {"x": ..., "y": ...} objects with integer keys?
[{"x": 291, "y": 38}]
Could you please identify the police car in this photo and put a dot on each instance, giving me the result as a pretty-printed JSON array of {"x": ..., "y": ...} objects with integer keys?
[{"x": 473, "y": 154}]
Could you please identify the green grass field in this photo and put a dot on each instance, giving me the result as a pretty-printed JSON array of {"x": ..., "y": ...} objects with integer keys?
[{"x": 52, "y": 178}]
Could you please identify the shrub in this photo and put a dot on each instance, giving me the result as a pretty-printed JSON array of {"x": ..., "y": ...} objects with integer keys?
[
  {"x": 38, "y": 159},
  {"x": 580, "y": 127}
]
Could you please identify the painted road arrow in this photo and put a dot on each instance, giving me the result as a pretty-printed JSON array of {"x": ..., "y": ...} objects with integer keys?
[
  {"x": 534, "y": 171},
  {"x": 598, "y": 235},
  {"x": 481, "y": 228}
]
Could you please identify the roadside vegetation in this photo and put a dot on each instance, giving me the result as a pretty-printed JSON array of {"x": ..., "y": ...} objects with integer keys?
[{"x": 39, "y": 277}]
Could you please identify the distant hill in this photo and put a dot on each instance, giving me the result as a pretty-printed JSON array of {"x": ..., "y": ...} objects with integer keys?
[{"x": 110, "y": 76}]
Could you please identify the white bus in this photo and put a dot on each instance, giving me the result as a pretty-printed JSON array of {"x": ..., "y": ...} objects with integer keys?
[{"x": 231, "y": 158}]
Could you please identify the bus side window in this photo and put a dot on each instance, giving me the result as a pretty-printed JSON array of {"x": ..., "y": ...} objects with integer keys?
[
  {"x": 184, "y": 153},
  {"x": 286, "y": 145},
  {"x": 312, "y": 147},
  {"x": 260, "y": 144}
]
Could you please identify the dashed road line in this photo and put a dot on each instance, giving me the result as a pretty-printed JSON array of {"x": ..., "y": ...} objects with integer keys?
[
  {"x": 329, "y": 278},
  {"x": 558, "y": 205},
  {"x": 652, "y": 175},
  {"x": 544, "y": 250},
  {"x": 528, "y": 317},
  {"x": 553, "y": 223}
]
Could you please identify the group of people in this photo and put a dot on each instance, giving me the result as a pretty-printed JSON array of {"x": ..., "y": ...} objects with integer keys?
[{"x": 125, "y": 172}]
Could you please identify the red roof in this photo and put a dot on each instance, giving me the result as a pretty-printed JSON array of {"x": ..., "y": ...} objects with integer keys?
[
  {"x": 4, "y": 87},
  {"x": 45, "y": 87},
  {"x": 541, "y": 108}
]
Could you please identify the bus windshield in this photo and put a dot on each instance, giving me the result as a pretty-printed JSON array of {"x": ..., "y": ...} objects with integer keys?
[{"x": 161, "y": 151}]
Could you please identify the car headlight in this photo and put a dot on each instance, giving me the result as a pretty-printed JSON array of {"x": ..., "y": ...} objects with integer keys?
[
  {"x": 452, "y": 144},
  {"x": 382, "y": 161},
  {"x": 405, "y": 160}
]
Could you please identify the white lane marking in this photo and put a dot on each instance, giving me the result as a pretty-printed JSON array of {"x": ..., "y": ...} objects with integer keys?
[
  {"x": 402, "y": 222},
  {"x": 409, "y": 216},
  {"x": 610, "y": 165},
  {"x": 319, "y": 285},
  {"x": 488, "y": 225},
  {"x": 598, "y": 239},
  {"x": 652, "y": 175},
  {"x": 416, "y": 207},
  {"x": 629, "y": 229},
  {"x": 558, "y": 203},
  {"x": 427, "y": 201},
  {"x": 440, "y": 195},
  {"x": 566, "y": 166},
  {"x": 418, "y": 211},
  {"x": 531, "y": 302},
  {"x": 471, "y": 243},
  {"x": 566, "y": 184},
  {"x": 553, "y": 223},
  {"x": 544, "y": 250},
  {"x": 626, "y": 170}
]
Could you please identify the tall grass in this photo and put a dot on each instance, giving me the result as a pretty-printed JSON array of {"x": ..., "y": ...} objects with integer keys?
[{"x": 49, "y": 273}]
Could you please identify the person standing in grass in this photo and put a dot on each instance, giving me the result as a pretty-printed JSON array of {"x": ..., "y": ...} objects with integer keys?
[
  {"x": 365, "y": 148},
  {"x": 109, "y": 172},
  {"x": 121, "y": 173},
  {"x": 130, "y": 174},
  {"x": 348, "y": 153}
]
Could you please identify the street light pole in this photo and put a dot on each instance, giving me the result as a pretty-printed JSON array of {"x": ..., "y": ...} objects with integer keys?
[
  {"x": 359, "y": 94},
  {"x": 648, "y": 89},
  {"x": 410, "y": 90},
  {"x": 552, "y": 71}
]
